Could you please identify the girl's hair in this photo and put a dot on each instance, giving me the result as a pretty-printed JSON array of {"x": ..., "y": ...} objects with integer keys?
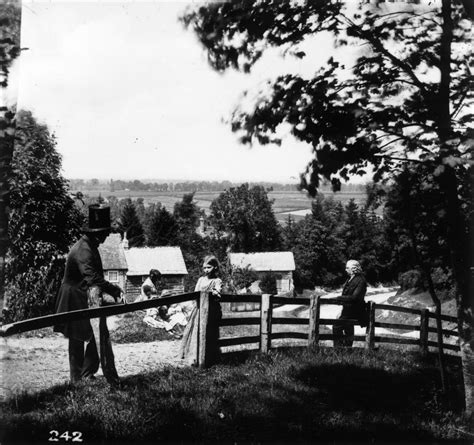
[{"x": 211, "y": 260}]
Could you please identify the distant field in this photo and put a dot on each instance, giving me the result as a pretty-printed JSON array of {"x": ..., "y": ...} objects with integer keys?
[{"x": 285, "y": 202}]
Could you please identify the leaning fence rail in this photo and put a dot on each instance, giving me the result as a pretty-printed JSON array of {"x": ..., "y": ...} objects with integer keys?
[
  {"x": 105, "y": 311},
  {"x": 266, "y": 321}
]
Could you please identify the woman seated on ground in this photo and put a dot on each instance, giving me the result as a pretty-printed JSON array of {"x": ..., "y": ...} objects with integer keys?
[{"x": 171, "y": 318}]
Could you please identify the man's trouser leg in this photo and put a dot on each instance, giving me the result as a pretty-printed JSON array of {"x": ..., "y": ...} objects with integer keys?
[
  {"x": 348, "y": 335},
  {"x": 107, "y": 359},
  {"x": 338, "y": 332},
  {"x": 76, "y": 359},
  {"x": 91, "y": 359}
]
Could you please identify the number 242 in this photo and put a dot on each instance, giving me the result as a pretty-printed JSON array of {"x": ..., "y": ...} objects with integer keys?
[{"x": 54, "y": 436}]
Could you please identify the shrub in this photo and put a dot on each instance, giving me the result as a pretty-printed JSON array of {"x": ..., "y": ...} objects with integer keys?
[
  {"x": 243, "y": 277},
  {"x": 412, "y": 279},
  {"x": 268, "y": 283},
  {"x": 444, "y": 283},
  {"x": 33, "y": 293}
]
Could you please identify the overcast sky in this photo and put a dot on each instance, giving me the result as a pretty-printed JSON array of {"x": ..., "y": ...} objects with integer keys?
[{"x": 129, "y": 94}]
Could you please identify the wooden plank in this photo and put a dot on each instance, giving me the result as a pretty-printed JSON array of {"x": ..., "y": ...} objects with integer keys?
[
  {"x": 446, "y": 332},
  {"x": 234, "y": 341},
  {"x": 240, "y": 321},
  {"x": 301, "y": 335},
  {"x": 424, "y": 325},
  {"x": 331, "y": 337},
  {"x": 290, "y": 320},
  {"x": 285, "y": 301},
  {"x": 240, "y": 298},
  {"x": 407, "y": 310},
  {"x": 445, "y": 345},
  {"x": 338, "y": 321},
  {"x": 265, "y": 322},
  {"x": 106, "y": 311},
  {"x": 331, "y": 301},
  {"x": 370, "y": 330},
  {"x": 313, "y": 333},
  {"x": 203, "y": 326},
  {"x": 449, "y": 318},
  {"x": 399, "y": 340},
  {"x": 409, "y": 327}
]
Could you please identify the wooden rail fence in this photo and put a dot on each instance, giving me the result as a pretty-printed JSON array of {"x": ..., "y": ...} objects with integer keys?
[{"x": 266, "y": 320}]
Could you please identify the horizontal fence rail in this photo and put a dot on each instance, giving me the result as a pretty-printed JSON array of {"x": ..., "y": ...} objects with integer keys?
[
  {"x": 104, "y": 311},
  {"x": 312, "y": 323},
  {"x": 271, "y": 325}
]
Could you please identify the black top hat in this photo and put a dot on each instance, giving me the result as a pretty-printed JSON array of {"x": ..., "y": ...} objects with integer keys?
[{"x": 99, "y": 218}]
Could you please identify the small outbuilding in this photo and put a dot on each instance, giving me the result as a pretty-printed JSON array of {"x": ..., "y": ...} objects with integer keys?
[
  {"x": 129, "y": 267},
  {"x": 167, "y": 259},
  {"x": 282, "y": 264},
  {"x": 113, "y": 260}
]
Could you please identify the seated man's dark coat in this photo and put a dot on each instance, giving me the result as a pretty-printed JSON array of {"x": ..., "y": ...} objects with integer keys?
[{"x": 353, "y": 294}]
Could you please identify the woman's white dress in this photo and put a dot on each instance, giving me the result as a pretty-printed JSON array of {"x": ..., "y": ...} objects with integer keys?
[{"x": 189, "y": 344}]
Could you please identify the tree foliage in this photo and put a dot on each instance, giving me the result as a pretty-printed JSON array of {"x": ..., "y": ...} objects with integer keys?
[
  {"x": 162, "y": 229},
  {"x": 245, "y": 215},
  {"x": 10, "y": 21},
  {"x": 407, "y": 99},
  {"x": 44, "y": 220},
  {"x": 131, "y": 225},
  {"x": 351, "y": 122}
]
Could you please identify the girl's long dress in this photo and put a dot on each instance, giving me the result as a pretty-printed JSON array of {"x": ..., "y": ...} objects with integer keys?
[{"x": 189, "y": 344}]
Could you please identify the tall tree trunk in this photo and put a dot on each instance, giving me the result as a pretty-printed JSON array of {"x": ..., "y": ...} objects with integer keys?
[
  {"x": 434, "y": 297},
  {"x": 457, "y": 228},
  {"x": 6, "y": 153}
]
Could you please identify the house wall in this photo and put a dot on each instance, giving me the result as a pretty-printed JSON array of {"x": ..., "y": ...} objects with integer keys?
[
  {"x": 173, "y": 283},
  {"x": 118, "y": 277},
  {"x": 284, "y": 284}
]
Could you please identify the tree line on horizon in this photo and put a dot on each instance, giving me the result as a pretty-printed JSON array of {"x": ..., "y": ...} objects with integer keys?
[{"x": 135, "y": 185}]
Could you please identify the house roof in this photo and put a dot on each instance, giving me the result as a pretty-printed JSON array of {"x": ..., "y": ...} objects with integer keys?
[
  {"x": 112, "y": 253},
  {"x": 264, "y": 261},
  {"x": 168, "y": 260}
]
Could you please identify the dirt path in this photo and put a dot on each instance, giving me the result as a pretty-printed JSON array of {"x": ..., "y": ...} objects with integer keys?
[{"x": 37, "y": 363}]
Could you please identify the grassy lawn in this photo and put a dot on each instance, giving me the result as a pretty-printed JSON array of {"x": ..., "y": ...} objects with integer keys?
[
  {"x": 288, "y": 395},
  {"x": 131, "y": 328}
]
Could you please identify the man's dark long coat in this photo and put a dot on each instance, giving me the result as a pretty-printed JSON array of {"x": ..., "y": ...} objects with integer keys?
[
  {"x": 83, "y": 270},
  {"x": 353, "y": 293}
]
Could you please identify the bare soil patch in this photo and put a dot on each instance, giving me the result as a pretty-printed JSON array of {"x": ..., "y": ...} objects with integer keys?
[{"x": 33, "y": 363}]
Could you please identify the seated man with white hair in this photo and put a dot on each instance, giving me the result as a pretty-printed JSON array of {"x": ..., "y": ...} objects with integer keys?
[{"x": 353, "y": 294}]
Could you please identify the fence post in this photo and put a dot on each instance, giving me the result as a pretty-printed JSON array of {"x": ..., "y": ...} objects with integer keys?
[
  {"x": 203, "y": 322},
  {"x": 424, "y": 324},
  {"x": 265, "y": 322},
  {"x": 314, "y": 310},
  {"x": 370, "y": 330}
]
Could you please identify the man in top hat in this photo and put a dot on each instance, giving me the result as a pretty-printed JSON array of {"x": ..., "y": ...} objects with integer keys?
[{"x": 82, "y": 285}]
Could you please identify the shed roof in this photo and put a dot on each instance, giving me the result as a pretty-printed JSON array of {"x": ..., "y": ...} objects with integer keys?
[
  {"x": 168, "y": 260},
  {"x": 112, "y": 253},
  {"x": 264, "y": 261}
]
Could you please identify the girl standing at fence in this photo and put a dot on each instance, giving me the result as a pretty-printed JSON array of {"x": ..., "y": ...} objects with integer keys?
[{"x": 209, "y": 282}]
